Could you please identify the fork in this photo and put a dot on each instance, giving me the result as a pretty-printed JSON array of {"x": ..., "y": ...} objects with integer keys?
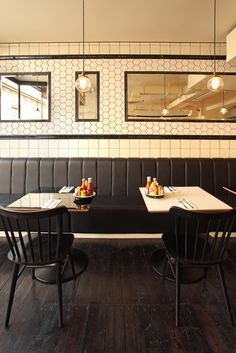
[
  {"x": 190, "y": 204},
  {"x": 181, "y": 202}
]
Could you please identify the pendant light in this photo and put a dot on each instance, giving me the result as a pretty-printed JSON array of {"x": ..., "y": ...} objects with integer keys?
[
  {"x": 83, "y": 83},
  {"x": 223, "y": 109},
  {"x": 216, "y": 82},
  {"x": 164, "y": 111}
]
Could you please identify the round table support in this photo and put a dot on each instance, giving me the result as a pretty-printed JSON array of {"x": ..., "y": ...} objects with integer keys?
[
  {"x": 188, "y": 275},
  {"x": 48, "y": 275}
]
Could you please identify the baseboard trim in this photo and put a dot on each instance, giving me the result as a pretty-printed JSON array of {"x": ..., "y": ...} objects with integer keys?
[{"x": 117, "y": 236}]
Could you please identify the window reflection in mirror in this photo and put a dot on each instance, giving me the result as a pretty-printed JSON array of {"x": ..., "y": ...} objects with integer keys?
[
  {"x": 87, "y": 103},
  {"x": 25, "y": 97},
  {"x": 158, "y": 96}
]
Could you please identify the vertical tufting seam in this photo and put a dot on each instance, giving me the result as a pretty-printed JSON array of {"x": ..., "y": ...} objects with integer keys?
[
  {"x": 11, "y": 176},
  {"x": 112, "y": 177},
  {"x": 229, "y": 175},
  {"x": 200, "y": 172},
  {"x": 67, "y": 170},
  {"x": 185, "y": 172},
  {"x": 96, "y": 175},
  {"x": 24, "y": 181},
  {"x": 214, "y": 176},
  {"x": 53, "y": 172},
  {"x": 127, "y": 163},
  {"x": 40, "y": 163}
]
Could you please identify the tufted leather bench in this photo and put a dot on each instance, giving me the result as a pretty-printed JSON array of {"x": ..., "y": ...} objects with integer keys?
[{"x": 118, "y": 207}]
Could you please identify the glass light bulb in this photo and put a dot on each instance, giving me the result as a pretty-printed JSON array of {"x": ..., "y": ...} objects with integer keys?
[
  {"x": 83, "y": 83},
  {"x": 223, "y": 110},
  {"x": 165, "y": 111},
  {"x": 215, "y": 83}
]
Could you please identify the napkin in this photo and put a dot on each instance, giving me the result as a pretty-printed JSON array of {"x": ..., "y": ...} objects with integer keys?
[
  {"x": 65, "y": 189},
  {"x": 52, "y": 203}
]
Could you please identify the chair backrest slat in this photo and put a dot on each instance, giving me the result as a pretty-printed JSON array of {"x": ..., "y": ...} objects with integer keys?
[
  {"x": 8, "y": 237},
  {"x": 206, "y": 240},
  {"x": 39, "y": 240},
  {"x": 14, "y": 241},
  {"x": 49, "y": 238},
  {"x": 215, "y": 238},
  {"x": 34, "y": 236},
  {"x": 227, "y": 237},
  {"x": 59, "y": 233},
  {"x": 21, "y": 240},
  {"x": 30, "y": 240},
  {"x": 196, "y": 240},
  {"x": 202, "y": 237}
]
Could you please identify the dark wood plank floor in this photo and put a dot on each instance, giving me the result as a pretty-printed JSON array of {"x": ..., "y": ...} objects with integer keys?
[{"x": 119, "y": 305}]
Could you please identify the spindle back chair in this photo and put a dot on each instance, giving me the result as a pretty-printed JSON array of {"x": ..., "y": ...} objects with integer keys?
[
  {"x": 36, "y": 240},
  {"x": 198, "y": 239}
]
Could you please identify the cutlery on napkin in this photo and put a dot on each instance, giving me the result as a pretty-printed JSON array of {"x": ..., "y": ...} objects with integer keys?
[
  {"x": 186, "y": 204},
  {"x": 190, "y": 204},
  {"x": 51, "y": 203},
  {"x": 65, "y": 189},
  {"x": 172, "y": 188}
]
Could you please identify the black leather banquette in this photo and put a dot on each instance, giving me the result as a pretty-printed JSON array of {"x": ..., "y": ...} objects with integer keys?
[{"x": 118, "y": 207}]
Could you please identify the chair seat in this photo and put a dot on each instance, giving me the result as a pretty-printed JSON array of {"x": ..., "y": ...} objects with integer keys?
[
  {"x": 186, "y": 253},
  {"x": 66, "y": 241}
]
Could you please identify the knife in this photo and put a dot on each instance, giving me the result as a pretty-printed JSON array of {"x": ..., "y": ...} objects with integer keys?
[{"x": 190, "y": 203}]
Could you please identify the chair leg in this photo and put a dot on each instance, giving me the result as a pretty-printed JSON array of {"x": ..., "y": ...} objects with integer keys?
[
  {"x": 59, "y": 292},
  {"x": 205, "y": 272},
  {"x": 72, "y": 265},
  {"x": 164, "y": 267},
  {"x": 177, "y": 296},
  {"x": 33, "y": 273},
  {"x": 12, "y": 292},
  {"x": 224, "y": 287}
]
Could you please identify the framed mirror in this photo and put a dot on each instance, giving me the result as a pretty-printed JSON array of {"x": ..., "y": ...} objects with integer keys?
[
  {"x": 25, "y": 96},
  {"x": 178, "y": 96},
  {"x": 87, "y": 103}
]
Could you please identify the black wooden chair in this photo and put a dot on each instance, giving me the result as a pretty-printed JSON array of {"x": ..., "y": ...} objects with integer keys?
[
  {"x": 36, "y": 240},
  {"x": 198, "y": 239}
]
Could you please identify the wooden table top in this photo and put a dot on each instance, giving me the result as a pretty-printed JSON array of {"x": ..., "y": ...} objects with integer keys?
[{"x": 202, "y": 200}]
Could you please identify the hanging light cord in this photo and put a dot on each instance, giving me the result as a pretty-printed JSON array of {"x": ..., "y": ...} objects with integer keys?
[
  {"x": 164, "y": 91},
  {"x": 214, "y": 37},
  {"x": 83, "y": 35}
]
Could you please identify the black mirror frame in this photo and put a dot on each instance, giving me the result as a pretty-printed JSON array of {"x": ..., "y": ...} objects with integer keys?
[
  {"x": 49, "y": 97},
  {"x": 126, "y": 73}
]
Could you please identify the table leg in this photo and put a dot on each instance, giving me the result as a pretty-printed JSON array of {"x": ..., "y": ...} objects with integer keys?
[
  {"x": 188, "y": 275},
  {"x": 48, "y": 275}
]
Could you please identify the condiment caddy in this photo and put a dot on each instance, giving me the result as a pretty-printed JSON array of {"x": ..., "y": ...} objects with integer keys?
[
  {"x": 154, "y": 189},
  {"x": 85, "y": 193}
]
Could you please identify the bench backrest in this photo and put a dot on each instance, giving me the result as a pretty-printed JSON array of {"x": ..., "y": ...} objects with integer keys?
[{"x": 115, "y": 176}]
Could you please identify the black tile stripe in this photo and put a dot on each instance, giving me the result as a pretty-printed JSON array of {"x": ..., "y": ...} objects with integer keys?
[
  {"x": 118, "y": 137},
  {"x": 112, "y": 56}
]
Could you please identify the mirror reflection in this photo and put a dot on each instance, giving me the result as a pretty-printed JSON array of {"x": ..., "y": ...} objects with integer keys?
[
  {"x": 178, "y": 97},
  {"x": 25, "y": 97}
]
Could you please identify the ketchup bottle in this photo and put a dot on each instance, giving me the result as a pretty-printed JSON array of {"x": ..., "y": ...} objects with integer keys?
[
  {"x": 148, "y": 184},
  {"x": 90, "y": 189}
]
